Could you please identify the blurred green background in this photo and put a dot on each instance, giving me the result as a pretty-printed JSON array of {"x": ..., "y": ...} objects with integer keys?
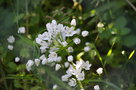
[{"x": 117, "y": 35}]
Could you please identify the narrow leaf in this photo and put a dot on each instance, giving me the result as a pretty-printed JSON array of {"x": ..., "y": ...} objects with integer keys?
[
  {"x": 109, "y": 52},
  {"x": 131, "y": 54}
]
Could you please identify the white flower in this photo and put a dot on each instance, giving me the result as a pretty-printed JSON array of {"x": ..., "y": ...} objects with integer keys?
[
  {"x": 79, "y": 64},
  {"x": 37, "y": 62},
  {"x": 87, "y": 43},
  {"x": 58, "y": 59},
  {"x": 69, "y": 32},
  {"x": 42, "y": 57},
  {"x": 80, "y": 76},
  {"x": 10, "y": 47},
  {"x": 78, "y": 31},
  {"x": 64, "y": 43},
  {"x": 77, "y": 71},
  {"x": 86, "y": 65},
  {"x": 52, "y": 57},
  {"x": 87, "y": 48},
  {"x": 70, "y": 70},
  {"x": 55, "y": 29},
  {"x": 53, "y": 49},
  {"x": 99, "y": 70},
  {"x": 21, "y": 30},
  {"x": 73, "y": 22},
  {"x": 85, "y": 33},
  {"x": 70, "y": 49},
  {"x": 11, "y": 39},
  {"x": 46, "y": 36},
  {"x": 66, "y": 64},
  {"x": 82, "y": 64},
  {"x": 72, "y": 82},
  {"x": 96, "y": 87},
  {"x": 73, "y": 71},
  {"x": 44, "y": 45},
  {"x": 38, "y": 40},
  {"x": 82, "y": 89},
  {"x": 54, "y": 22},
  {"x": 70, "y": 58},
  {"x": 65, "y": 77},
  {"x": 77, "y": 41},
  {"x": 123, "y": 52},
  {"x": 58, "y": 66},
  {"x": 29, "y": 65},
  {"x": 17, "y": 59},
  {"x": 55, "y": 86},
  {"x": 100, "y": 25},
  {"x": 44, "y": 61}
]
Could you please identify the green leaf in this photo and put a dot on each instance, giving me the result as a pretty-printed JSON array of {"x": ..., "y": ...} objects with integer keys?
[
  {"x": 121, "y": 22},
  {"x": 56, "y": 79},
  {"x": 17, "y": 18},
  {"x": 36, "y": 88},
  {"x": 17, "y": 83},
  {"x": 124, "y": 31},
  {"x": 79, "y": 56},
  {"x": 106, "y": 82},
  {"x": 3, "y": 52},
  {"x": 24, "y": 52},
  {"x": 109, "y": 52},
  {"x": 12, "y": 66},
  {"x": 129, "y": 41},
  {"x": 105, "y": 34},
  {"x": 93, "y": 53},
  {"x": 131, "y": 54},
  {"x": 26, "y": 40}
]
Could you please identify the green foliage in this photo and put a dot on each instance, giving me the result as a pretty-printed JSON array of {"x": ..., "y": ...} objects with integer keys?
[{"x": 111, "y": 45}]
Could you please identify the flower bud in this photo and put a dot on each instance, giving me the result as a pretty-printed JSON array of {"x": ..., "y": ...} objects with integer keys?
[
  {"x": 85, "y": 33},
  {"x": 73, "y": 22}
]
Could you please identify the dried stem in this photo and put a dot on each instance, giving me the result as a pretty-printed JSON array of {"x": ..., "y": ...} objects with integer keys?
[{"x": 131, "y": 4}]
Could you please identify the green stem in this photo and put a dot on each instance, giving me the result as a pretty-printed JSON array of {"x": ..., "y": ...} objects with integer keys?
[
  {"x": 17, "y": 12},
  {"x": 101, "y": 60},
  {"x": 110, "y": 12},
  {"x": 27, "y": 13},
  {"x": 3, "y": 75},
  {"x": 108, "y": 83},
  {"x": 80, "y": 84}
]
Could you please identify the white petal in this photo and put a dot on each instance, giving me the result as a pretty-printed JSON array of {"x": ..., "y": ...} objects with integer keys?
[
  {"x": 21, "y": 30},
  {"x": 99, "y": 70},
  {"x": 17, "y": 59},
  {"x": 85, "y": 33},
  {"x": 70, "y": 58},
  {"x": 11, "y": 39},
  {"x": 77, "y": 41},
  {"x": 10, "y": 47},
  {"x": 58, "y": 66},
  {"x": 73, "y": 22},
  {"x": 96, "y": 87},
  {"x": 37, "y": 62}
]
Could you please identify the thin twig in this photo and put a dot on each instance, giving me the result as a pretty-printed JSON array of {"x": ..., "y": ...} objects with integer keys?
[
  {"x": 27, "y": 13},
  {"x": 131, "y": 4}
]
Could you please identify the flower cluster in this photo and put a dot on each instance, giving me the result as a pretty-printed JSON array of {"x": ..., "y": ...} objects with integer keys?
[
  {"x": 51, "y": 41},
  {"x": 76, "y": 70},
  {"x": 11, "y": 40},
  {"x": 54, "y": 37}
]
